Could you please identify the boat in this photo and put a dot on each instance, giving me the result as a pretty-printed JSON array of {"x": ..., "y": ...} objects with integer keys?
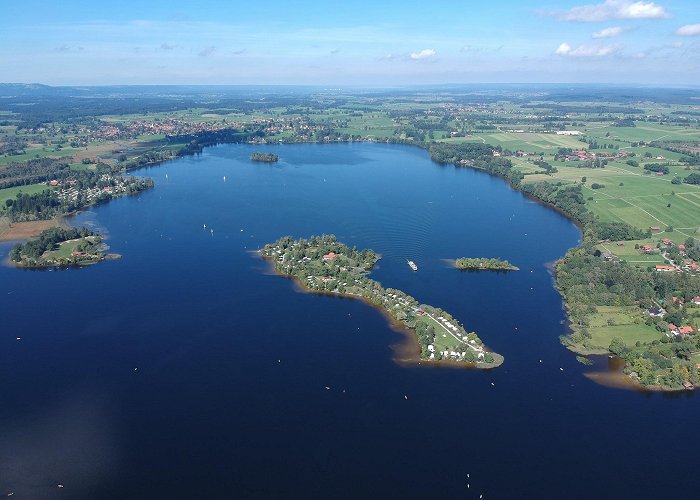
[{"x": 412, "y": 265}]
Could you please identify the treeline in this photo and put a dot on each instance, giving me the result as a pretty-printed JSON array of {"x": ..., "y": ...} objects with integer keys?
[
  {"x": 47, "y": 240},
  {"x": 618, "y": 231},
  {"x": 475, "y": 155},
  {"x": 195, "y": 143},
  {"x": 12, "y": 145},
  {"x": 31, "y": 171},
  {"x": 148, "y": 158},
  {"x": 264, "y": 157},
  {"x": 465, "y": 263},
  {"x": 657, "y": 167},
  {"x": 693, "y": 178},
  {"x": 37, "y": 206}
]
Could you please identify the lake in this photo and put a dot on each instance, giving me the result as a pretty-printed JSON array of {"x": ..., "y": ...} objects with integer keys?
[{"x": 188, "y": 370}]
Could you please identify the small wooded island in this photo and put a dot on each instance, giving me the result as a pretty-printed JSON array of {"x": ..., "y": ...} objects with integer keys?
[
  {"x": 482, "y": 264},
  {"x": 321, "y": 264},
  {"x": 60, "y": 247},
  {"x": 265, "y": 157}
]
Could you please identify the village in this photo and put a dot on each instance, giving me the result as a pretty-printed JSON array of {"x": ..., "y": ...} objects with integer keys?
[{"x": 323, "y": 265}]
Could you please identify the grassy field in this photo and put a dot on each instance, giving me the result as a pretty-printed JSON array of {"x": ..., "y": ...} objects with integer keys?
[
  {"x": 64, "y": 250},
  {"x": 627, "y": 323},
  {"x": 533, "y": 142},
  {"x": 632, "y": 197}
]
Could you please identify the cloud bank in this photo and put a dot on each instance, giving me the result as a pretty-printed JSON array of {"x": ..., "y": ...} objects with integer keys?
[
  {"x": 585, "y": 50},
  {"x": 613, "y": 9},
  {"x": 423, "y": 54}
]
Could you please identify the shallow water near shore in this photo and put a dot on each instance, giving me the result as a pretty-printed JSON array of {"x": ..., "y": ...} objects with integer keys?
[{"x": 186, "y": 370}]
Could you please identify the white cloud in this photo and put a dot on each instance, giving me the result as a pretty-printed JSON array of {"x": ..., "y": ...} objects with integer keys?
[
  {"x": 585, "y": 50},
  {"x": 689, "y": 30},
  {"x": 613, "y": 9},
  {"x": 610, "y": 32},
  {"x": 423, "y": 54}
]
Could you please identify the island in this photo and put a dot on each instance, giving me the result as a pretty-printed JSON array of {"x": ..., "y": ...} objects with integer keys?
[
  {"x": 60, "y": 247},
  {"x": 265, "y": 157},
  {"x": 321, "y": 264},
  {"x": 482, "y": 264}
]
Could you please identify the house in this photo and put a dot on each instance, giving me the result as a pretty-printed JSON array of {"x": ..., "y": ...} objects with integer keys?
[
  {"x": 696, "y": 300},
  {"x": 608, "y": 256},
  {"x": 330, "y": 256},
  {"x": 672, "y": 328},
  {"x": 657, "y": 312},
  {"x": 54, "y": 183},
  {"x": 646, "y": 248},
  {"x": 681, "y": 248},
  {"x": 620, "y": 244},
  {"x": 667, "y": 241},
  {"x": 688, "y": 385},
  {"x": 655, "y": 228},
  {"x": 665, "y": 269},
  {"x": 659, "y": 174},
  {"x": 686, "y": 330}
]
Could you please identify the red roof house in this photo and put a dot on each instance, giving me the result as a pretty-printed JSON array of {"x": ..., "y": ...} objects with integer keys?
[
  {"x": 685, "y": 330},
  {"x": 330, "y": 256},
  {"x": 665, "y": 268}
]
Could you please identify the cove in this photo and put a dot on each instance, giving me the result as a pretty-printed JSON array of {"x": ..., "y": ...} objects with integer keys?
[{"x": 186, "y": 370}]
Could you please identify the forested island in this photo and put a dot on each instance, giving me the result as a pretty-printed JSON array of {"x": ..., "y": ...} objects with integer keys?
[
  {"x": 322, "y": 264},
  {"x": 59, "y": 247},
  {"x": 265, "y": 157},
  {"x": 484, "y": 264}
]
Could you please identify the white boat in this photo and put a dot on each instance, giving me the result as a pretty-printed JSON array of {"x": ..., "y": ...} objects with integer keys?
[{"x": 412, "y": 265}]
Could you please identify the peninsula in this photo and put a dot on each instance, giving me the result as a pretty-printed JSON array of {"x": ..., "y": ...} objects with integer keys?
[
  {"x": 60, "y": 247},
  {"x": 321, "y": 264},
  {"x": 482, "y": 264},
  {"x": 265, "y": 157}
]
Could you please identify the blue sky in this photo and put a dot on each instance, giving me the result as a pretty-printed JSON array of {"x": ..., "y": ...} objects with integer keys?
[{"x": 350, "y": 43}]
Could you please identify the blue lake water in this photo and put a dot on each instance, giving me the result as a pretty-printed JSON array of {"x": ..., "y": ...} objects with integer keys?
[{"x": 187, "y": 370}]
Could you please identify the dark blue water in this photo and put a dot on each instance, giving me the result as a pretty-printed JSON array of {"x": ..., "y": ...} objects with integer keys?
[{"x": 186, "y": 370}]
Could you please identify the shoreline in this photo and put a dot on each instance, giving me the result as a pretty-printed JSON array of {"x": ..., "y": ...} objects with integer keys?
[{"x": 411, "y": 342}]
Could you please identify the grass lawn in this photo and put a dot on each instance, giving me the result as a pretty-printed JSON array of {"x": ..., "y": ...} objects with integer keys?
[
  {"x": 443, "y": 340},
  {"x": 527, "y": 141},
  {"x": 625, "y": 328},
  {"x": 64, "y": 249}
]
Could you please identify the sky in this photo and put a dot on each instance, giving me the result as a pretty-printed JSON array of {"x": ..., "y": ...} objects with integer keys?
[{"x": 354, "y": 42}]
